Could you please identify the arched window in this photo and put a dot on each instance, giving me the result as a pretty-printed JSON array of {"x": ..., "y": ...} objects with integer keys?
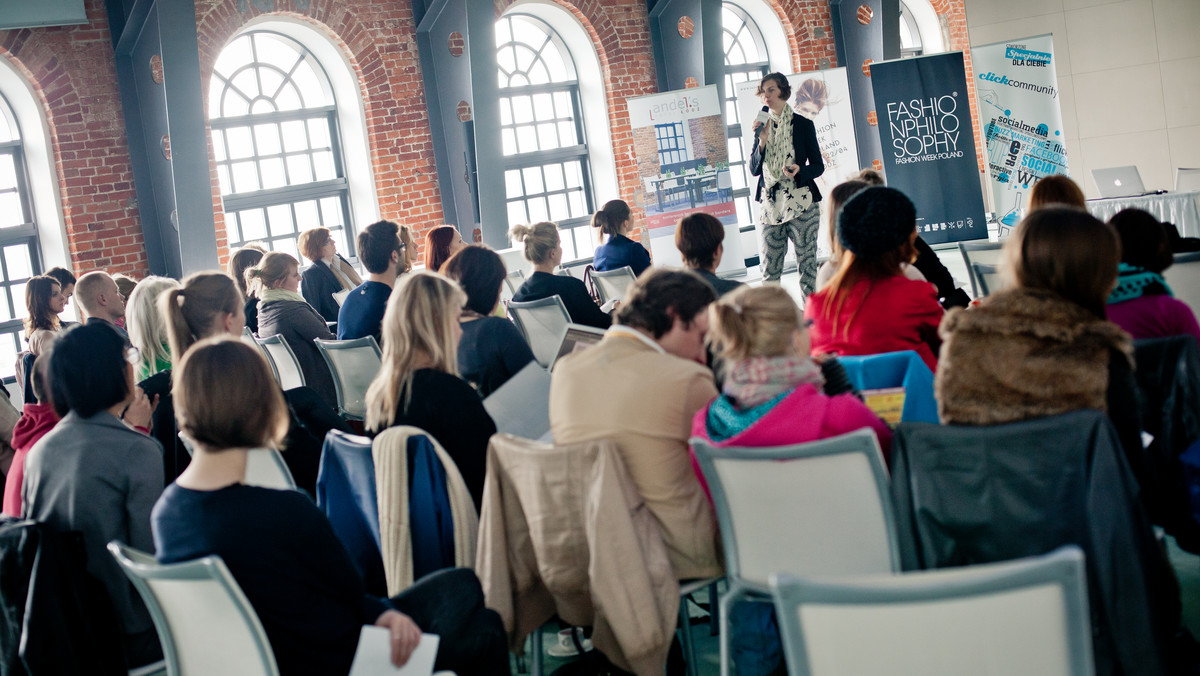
[
  {"x": 921, "y": 30},
  {"x": 910, "y": 35},
  {"x": 275, "y": 135},
  {"x": 546, "y": 170},
  {"x": 745, "y": 60},
  {"x": 19, "y": 254}
]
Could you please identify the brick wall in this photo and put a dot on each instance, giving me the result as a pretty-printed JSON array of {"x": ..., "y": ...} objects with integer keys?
[
  {"x": 72, "y": 72},
  {"x": 953, "y": 15},
  {"x": 71, "y": 69},
  {"x": 708, "y": 139}
]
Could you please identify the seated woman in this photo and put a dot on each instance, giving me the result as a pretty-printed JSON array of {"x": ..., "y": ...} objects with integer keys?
[
  {"x": 1043, "y": 346},
  {"x": 282, "y": 550},
  {"x": 44, "y": 300},
  {"x": 417, "y": 384},
  {"x": 328, "y": 274},
  {"x": 440, "y": 244},
  {"x": 65, "y": 279},
  {"x": 615, "y": 221},
  {"x": 1055, "y": 189},
  {"x": 700, "y": 240},
  {"x": 243, "y": 259},
  {"x": 544, "y": 249},
  {"x": 94, "y": 473},
  {"x": 491, "y": 350},
  {"x": 283, "y": 311},
  {"x": 772, "y": 396},
  {"x": 147, "y": 328},
  {"x": 869, "y": 306},
  {"x": 1142, "y": 302}
]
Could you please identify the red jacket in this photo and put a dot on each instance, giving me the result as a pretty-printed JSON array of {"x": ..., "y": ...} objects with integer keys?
[{"x": 35, "y": 421}]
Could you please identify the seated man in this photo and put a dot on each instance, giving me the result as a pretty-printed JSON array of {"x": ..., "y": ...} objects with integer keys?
[
  {"x": 641, "y": 386},
  {"x": 380, "y": 250},
  {"x": 100, "y": 300}
]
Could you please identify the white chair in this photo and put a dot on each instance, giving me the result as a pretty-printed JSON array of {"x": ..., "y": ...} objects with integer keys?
[
  {"x": 203, "y": 619},
  {"x": 613, "y": 284},
  {"x": 724, "y": 186},
  {"x": 1028, "y": 616},
  {"x": 543, "y": 322},
  {"x": 815, "y": 509},
  {"x": 1186, "y": 179},
  {"x": 264, "y": 466},
  {"x": 282, "y": 360},
  {"x": 987, "y": 253},
  {"x": 354, "y": 364},
  {"x": 1184, "y": 279},
  {"x": 988, "y": 279}
]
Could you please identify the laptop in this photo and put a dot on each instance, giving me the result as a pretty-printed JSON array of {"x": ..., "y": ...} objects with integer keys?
[
  {"x": 577, "y": 337},
  {"x": 521, "y": 406},
  {"x": 1119, "y": 182},
  {"x": 1187, "y": 180}
]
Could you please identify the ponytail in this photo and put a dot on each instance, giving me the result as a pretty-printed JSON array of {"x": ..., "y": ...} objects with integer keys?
[
  {"x": 190, "y": 310},
  {"x": 179, "y": 335},
  {"x": 540, "y": 239},
  {"x": 611, "y": 219}
]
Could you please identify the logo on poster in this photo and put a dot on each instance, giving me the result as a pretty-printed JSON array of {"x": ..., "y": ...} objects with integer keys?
[
  {"x": 925, "y": 129},
  {"x": 683, "y": 105}
]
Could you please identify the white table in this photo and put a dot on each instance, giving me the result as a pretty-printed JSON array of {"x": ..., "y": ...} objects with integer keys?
[{"x": 1180, "y": 208}]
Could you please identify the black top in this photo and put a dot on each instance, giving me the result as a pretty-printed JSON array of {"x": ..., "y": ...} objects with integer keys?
[
  {"x": 574, "y": 295},
  {"x": 721, "y": 286},
  {"x": 931, "y": 266},
  {"x": 251, "y": 313},
  {"x": 317, "y": 285},
  {"x": 806, "y": 152},
  {"x": 287, "y": 560},
  {"x": 446, "y": 407},
  {"x": 491, "y": 351}
]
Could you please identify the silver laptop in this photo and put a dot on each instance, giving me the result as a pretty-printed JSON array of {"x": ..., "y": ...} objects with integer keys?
[
  {"x": 1187, "y": 180},
  {"x": 1119, "y": 182},
  {"x": 577, "y": 337},
  {"x": 521, "y": 406}
]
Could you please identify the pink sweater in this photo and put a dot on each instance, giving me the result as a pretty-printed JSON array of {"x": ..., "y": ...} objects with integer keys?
[
  {"x": 1154, "y": 317},
  {"x": 806, "y": 414}
]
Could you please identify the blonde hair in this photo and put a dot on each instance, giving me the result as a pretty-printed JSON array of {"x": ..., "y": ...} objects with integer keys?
[
  {"x": 753, "y": 322},
  {"x": 540, "y": 239},
  {"x": 225, "y": 396},
  {"x": 271, "y": 270},
  {"x": 189, "y": 310},
  {"x": 406, "y": 237},
  {"x": 418, "y": 332},
  {"x": 147, "y": 326}
]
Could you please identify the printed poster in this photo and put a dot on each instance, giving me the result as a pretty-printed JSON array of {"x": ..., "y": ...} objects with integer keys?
[
  {"x": 929, "y": 143},
  {"x": 1017, "y": 90},
  {"x": 824, "y": 97}
]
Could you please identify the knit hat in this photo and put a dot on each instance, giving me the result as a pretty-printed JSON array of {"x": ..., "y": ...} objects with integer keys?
[{"x": 875, "y": 221}]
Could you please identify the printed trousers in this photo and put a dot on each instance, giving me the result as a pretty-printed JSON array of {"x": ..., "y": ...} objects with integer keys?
[{"x": 802, "y": 230}]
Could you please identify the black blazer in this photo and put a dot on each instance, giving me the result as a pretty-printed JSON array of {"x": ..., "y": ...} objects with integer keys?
[
  {"x": 317, "y": 285},
  {"x": 805, "y": 151}
]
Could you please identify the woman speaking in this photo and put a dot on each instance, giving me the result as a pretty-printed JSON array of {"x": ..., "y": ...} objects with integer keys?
[{"x": 786, "y": 158}]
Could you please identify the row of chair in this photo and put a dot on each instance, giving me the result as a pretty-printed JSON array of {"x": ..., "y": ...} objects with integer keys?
[{"x": 353, "y": 363}]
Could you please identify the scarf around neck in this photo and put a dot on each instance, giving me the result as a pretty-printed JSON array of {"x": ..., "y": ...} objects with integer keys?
[
  {"x": 1134, "y": 282},
  {"x": 753, "y": 381},
  {"x": 272, "y": 295},
  {"x": 779, "y": 147}
]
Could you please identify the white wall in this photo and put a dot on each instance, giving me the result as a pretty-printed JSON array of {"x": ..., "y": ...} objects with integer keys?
[{"x": 1129, "y": 74}]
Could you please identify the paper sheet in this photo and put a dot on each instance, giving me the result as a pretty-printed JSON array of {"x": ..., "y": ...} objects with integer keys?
[{"x": 374, "y": 655}]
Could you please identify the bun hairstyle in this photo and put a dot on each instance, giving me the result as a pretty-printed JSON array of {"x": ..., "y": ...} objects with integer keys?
[
  {"x": 753, "y": 322},
  {"x": 812, "y": 91},
  {"x": 611, "y": 218},
  {"x": 271, "y": 270},
  {"x": 540, "y": 239},
  {"x": 246, "y": 257},
  {"x": 189, "y": 311}
]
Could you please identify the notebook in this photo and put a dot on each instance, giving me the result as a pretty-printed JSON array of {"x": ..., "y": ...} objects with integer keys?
[{"x": 1119, "y": 181}]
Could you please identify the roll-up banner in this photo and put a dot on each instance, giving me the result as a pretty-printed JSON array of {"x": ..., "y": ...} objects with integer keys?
[
  {"x": 924, "y": 115},
  {"x": 822, "y": 96},
  {"x": 1017, "y": 90},
  {"x": 683, "y": 163}
]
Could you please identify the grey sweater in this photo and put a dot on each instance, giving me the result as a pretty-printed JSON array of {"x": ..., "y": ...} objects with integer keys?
[{"x": 299, "y": 324}]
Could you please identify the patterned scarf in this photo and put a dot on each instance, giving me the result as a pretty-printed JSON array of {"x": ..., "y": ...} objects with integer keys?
[
  {"x": 779, "y": 148},
  {"x": 753, "y": 381},
  {"x": 785, "y": 200},
  {"x": 1134, "y": 282}
]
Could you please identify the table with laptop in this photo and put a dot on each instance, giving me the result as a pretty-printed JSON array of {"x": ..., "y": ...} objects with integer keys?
[{"x": 1122, "y": 188}]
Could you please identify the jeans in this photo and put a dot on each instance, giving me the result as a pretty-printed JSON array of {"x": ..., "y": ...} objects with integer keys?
[{"x": 755, "y": 643}]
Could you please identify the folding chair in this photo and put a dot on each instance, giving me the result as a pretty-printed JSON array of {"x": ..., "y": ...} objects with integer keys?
[{"x": 354, "y": 364}]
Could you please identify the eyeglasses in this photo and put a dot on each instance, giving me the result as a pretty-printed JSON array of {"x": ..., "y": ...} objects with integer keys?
[{"x": 133, "y": 355}]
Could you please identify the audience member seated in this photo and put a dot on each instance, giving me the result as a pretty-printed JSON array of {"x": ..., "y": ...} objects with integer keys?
[
  {"x": 328, "y": 274},
  {"x": 417, "y": 384},
  {"x": 243, "y": 259},
  {"x": 1043, "y": 346},
  {"x": 491, "y": 349},
  {"x": 207, "y": 305},
  {"x": 615, "y": 221},
  {"x": 441, "y": 243},
  {"x": 411, "y": 253},
  {"x": 93, "y": 473},
  {"x": 1055, "y": 189},
  {"x": 772, "y": 396},
  {"x": 869, "y": 306},
  {"x": 35, "y": 421},
  {"x": 700, "y": 239},
  {"x": 44, "y": 301},
  {"x": 641, "y": 386},
  {"x": 101, "y": 300},
  {"x": 147, "y": 328},
  {"x": 125, "y": 285},
  {"x": 382, "y": 253},
  {"x": 282, "y": 551},
  {"x": 1142, "y": 303},
  {"x": 837, "y": 197},
  {"x": 65, "y": 279},
  {"x": 283, "y": 311},
  {"x": 543, "y": 248}
]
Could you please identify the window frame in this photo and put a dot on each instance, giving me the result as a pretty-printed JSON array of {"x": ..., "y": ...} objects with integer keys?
[
  {"x": 733, "y": 131},
  {"x": 25, "y": 234}
]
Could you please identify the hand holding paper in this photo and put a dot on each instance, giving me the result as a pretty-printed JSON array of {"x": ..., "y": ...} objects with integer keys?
[{"x": 374, "y": 654}]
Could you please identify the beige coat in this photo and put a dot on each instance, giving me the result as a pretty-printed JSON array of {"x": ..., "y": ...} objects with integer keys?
[
  {"x": 564, "y": 531},
  {"x": 625, "y": 390}
]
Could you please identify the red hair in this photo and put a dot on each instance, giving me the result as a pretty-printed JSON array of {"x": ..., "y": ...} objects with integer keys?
[{"x": 437, "y": 246}]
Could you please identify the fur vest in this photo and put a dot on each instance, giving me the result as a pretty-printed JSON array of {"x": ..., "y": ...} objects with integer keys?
[{"x": 1021, "y": 354}]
